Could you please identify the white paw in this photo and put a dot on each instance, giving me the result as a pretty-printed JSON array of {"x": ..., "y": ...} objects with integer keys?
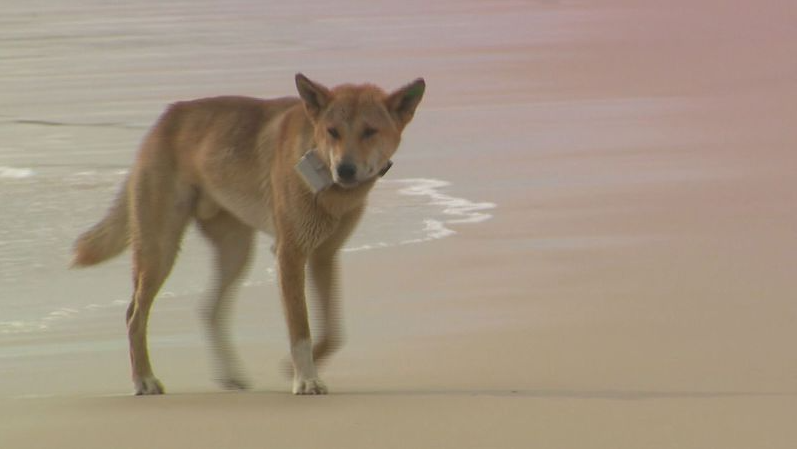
[
  {"x": 148, "y": 386},
  {"x": 309, "y": 386}
]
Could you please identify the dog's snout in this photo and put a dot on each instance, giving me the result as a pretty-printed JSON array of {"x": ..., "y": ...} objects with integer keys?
[{"x": 346, "y": 171}]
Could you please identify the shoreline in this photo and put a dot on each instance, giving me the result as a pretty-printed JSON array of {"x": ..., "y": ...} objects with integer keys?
[
  {"x": 431, "y": 225},
  {"x": 633, "y": 288}
]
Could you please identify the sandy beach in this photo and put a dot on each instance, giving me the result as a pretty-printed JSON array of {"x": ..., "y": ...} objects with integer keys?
[{"x": 632, "y": 287}]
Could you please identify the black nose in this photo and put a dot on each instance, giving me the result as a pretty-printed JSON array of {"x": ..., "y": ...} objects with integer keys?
[{"x": 346, "y": 171}]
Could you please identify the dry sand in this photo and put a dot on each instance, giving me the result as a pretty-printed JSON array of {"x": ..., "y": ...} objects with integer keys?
[{"x": 635, "y": 287}]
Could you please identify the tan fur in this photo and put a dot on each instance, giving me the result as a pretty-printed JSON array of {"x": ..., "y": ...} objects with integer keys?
[{"x": 228, "y": 163}]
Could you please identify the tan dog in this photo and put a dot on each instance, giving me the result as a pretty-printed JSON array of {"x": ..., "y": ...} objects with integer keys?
[{"x": 229, "y": 163}]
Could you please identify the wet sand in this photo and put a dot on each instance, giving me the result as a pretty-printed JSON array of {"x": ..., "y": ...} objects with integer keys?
[{"x": 634, "y": 288}]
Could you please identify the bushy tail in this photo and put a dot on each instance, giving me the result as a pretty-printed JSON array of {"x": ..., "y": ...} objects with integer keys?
[{"x": 107, "y": 238}]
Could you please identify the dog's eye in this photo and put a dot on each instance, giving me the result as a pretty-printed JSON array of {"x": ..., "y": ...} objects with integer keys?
[
  {"x": 368, "y": 132},
  {"x": 333, "y": 132}
]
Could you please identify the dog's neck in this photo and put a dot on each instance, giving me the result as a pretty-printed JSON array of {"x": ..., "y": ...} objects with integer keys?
[
  {"x": 334, "y": 199},
  {"x": 338, "y": 201}
]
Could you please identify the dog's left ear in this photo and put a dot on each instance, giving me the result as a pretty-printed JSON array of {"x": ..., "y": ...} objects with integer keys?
[
  {"x": 315, "y": 96},
  {"x": 402, "y": 103}
]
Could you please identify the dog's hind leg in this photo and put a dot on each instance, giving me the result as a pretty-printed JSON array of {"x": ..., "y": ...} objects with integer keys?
[
  {"x": 232, "y": 241},
  {"x": 160, "y": 210}
]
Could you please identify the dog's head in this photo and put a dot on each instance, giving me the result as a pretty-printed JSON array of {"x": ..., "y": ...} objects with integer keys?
[{"x": 358, "y": 127}]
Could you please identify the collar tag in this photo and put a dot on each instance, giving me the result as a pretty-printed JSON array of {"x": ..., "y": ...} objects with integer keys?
[{"x": 315, "y": 173}]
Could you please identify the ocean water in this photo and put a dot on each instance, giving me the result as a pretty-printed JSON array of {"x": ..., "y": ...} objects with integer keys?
[
  {"x": 80, "y": 83},
  {"x": 45, "y": 208}
]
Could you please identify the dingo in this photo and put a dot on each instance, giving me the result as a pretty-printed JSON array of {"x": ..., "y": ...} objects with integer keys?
[{"x": 229, "y": 163}]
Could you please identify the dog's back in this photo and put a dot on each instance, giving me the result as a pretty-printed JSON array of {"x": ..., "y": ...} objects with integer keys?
[{"x": 221, "y": 146}]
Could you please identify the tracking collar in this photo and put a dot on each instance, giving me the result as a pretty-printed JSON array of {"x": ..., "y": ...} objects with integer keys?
[{"x": 316, "y": 174}]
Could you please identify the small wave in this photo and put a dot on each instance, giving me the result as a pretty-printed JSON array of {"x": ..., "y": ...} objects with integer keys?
[
  {"x": 27, "y": 326},
  {"x": 449, "y": 210},
  {"x": 54, "y": 123},
  {"x": 366, "y": 247},
  {"x": 21, "y": 326},
  {"x": 460, "y": 209},
  {"x": 15, "y": 172}
]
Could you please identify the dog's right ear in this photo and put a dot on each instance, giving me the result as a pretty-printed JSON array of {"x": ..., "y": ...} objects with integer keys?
[{"x": 314, "y": 96}]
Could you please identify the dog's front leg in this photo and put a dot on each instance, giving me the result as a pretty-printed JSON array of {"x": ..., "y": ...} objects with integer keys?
[
  {"x": 291, "y": 262},
  {"x": 324, "y": 274},
  {"x": 325, "y": 277}
]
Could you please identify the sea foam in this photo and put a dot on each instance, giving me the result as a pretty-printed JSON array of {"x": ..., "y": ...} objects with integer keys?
[
  {"x": 459, "y": 210},
  {"x": 15, "y": 172}
]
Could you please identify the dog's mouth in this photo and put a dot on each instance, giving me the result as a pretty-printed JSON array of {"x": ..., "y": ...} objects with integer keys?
[
  {"x": 347, "y": 184},
  {"x": 355, "y": 182}
]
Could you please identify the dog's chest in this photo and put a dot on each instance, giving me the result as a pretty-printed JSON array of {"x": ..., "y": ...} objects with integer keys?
[{"x": 312, "y": 230}]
